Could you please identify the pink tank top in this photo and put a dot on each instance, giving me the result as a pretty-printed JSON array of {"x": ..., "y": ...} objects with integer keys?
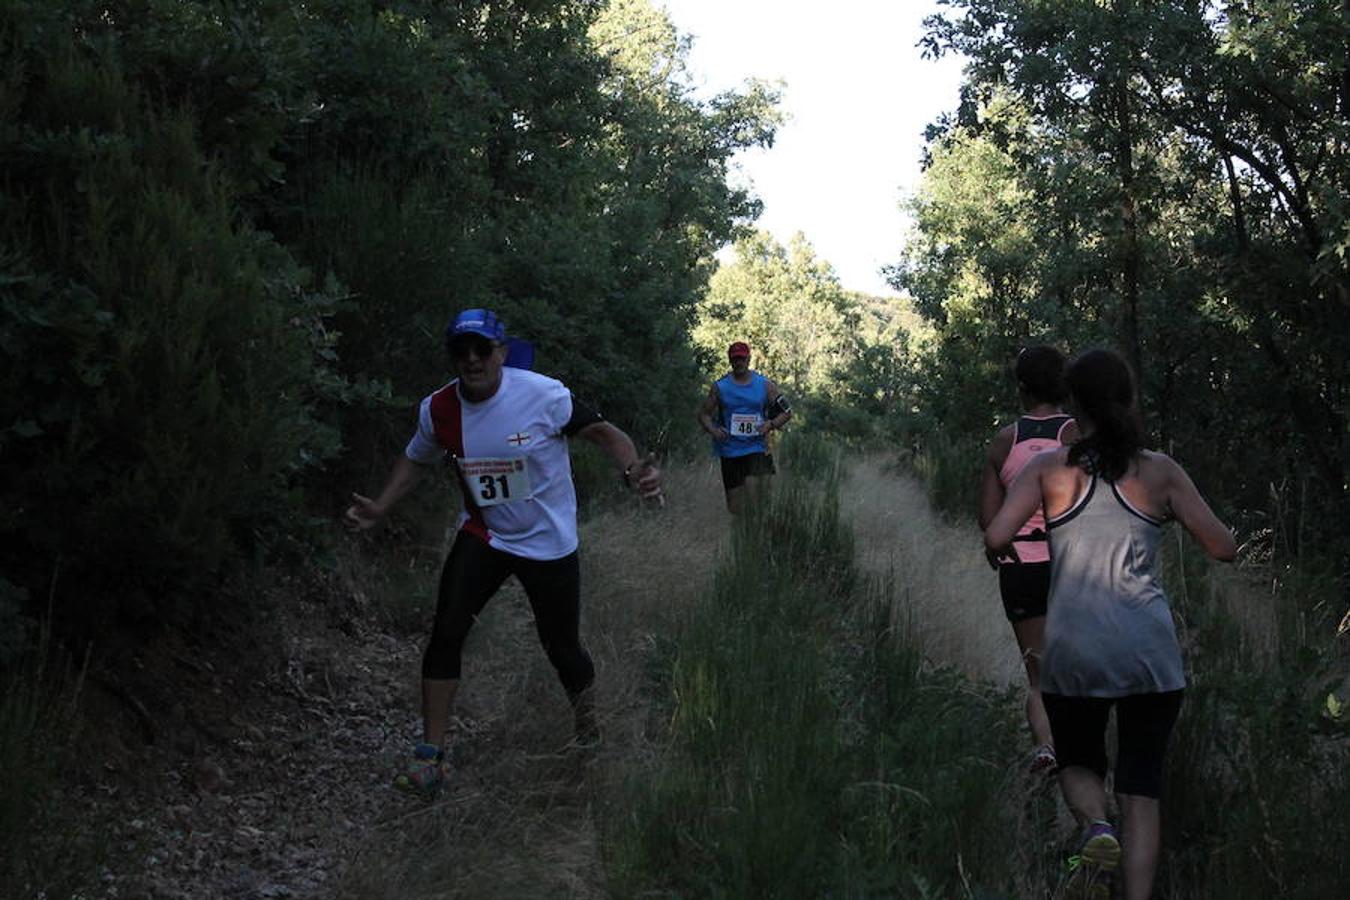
[{"x": 1032, "y": 435}]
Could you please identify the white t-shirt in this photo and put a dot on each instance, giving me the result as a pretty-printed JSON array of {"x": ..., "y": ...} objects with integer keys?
[{"x": 512, "y": 459}]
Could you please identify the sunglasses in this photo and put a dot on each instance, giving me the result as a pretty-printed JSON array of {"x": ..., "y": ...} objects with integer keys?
[{"x": 464, "y": 347}]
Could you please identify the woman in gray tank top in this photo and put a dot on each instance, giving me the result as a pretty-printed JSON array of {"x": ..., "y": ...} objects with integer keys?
[{"x": 1109, "y": 640}]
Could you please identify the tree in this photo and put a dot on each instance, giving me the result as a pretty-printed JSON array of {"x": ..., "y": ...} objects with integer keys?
[
  {"x": 788, "y": 305},
  {"x": 1184, "y": 164},
  {"x": 841, "y": 355},
  {"x": 232, "y": 235}
]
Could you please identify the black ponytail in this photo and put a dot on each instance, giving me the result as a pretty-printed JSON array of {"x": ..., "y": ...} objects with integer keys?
[
  {"x": 1040, "y": 373},
  {"x": 1102, "y": 388}
]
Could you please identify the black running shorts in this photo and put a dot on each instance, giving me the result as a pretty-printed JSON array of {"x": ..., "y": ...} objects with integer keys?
[
  {"x": 735, "y": 469},
  {"x": 1143, "y": 726},
  {"x": 1025, "y": 588},
  {"x": 472, "y": 574}
]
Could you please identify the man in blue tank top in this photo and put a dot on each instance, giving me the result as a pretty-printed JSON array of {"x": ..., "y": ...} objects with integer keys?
[{"x": 741, "y": 408}]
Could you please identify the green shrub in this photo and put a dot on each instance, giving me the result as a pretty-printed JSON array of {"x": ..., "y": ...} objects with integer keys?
[
  {"x": 161, "y": 357},
  {"x": 1259, "y": 777},
  {"x": 950, "y": 467}
]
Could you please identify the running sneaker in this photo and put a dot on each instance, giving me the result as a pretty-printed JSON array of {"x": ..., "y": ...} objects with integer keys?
[
  {"x": 1043, "y": 761},
  {"x": 425, "y": 772},
  {"x": 1090, "y": 869}
]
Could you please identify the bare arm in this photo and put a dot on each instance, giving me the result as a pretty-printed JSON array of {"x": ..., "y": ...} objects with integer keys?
[
  {"x": 365, "y": 512},
  {"x": 638, "y": 472},
  {"x": 705, "y": 416},
  {"x": 771, "y": 396},
  {"x": 1191, "y": 510},
  {"x": 1024, "y": 497},
  {"x": 991, "y": 483}
]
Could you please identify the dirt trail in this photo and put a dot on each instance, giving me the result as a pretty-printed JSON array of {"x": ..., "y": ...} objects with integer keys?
[
  {"x": 940, "y": 571},
  {"x": 284, "y": 789}
]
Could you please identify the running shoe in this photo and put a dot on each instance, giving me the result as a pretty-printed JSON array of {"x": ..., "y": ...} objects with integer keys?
[
  {"x": 1090, "y": 870},
  {"x": 425, "y": 772},
  {"x": 1043, "y": 761}
]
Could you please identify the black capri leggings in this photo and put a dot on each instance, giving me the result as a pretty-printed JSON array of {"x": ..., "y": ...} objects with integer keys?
[
  {"x": 472, "y": 574},
  {"x": 1143, "y": 726}
]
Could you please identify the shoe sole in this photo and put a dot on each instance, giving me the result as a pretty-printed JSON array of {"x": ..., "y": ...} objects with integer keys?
[
  {"x": 1092, "y": 880},
  {"x": 1102, "y": 851}
]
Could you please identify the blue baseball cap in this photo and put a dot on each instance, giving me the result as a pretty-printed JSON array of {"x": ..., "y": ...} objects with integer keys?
[{"x": 482, "y": 322}]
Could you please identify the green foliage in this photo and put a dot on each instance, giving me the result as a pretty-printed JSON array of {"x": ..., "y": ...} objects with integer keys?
[
  {"x": 1169, "y": 178},
  {"x": 950, "y": 467},
  {"x": 788, "y": 305},
  {"x": 1257, "y": 780},
  {"x": 231, "y": 235},
  {"x": 560, "y": 173},
  {"x": 159, "y": 369},
  {"x": 1164, "y": 177},
  {"x": 841, "y": 356}
]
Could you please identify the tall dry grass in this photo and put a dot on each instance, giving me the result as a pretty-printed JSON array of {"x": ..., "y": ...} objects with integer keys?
[
  {"x": 940, "y": 577},
  {"x": 812, "y": 751},
  {"x": 43, "y": 851},
  {"x": 938, "y": 580}
]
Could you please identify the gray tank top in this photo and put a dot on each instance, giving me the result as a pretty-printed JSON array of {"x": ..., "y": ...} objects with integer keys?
[{"x": 1109, "y": 631}]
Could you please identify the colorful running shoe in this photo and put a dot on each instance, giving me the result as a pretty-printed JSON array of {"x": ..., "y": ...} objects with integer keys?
[
  {"x": 1090, "y": 870},
  {"x": 1043, "y": 761},
  {"x": 425, "y": 772}
]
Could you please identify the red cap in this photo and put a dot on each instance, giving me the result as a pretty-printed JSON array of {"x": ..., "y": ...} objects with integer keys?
[{"x": 740, "y": 348}]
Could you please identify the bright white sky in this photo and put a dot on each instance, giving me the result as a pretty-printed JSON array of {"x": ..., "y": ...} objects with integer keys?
[{"x": 858, "y": 97}]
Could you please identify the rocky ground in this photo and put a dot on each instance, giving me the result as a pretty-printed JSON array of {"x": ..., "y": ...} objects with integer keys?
[{"x": 247, "y": 770}]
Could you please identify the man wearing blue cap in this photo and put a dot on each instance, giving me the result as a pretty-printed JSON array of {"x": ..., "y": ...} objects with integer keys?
[{"x": 505, "y": 431}]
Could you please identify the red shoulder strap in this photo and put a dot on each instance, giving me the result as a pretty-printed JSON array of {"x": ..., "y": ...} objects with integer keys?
[{"x": 447, "y": 420}]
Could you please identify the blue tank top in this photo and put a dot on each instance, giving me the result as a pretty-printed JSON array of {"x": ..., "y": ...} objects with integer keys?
[{"x": 741, "y": 412}]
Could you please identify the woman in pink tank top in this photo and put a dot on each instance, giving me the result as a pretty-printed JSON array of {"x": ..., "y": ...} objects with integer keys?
[{"x": 1024, "y": 582}]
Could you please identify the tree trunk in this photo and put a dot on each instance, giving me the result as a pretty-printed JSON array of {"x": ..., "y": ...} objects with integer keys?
[
  {"x": 1129, "y": 223},
  {"x": 1240, "y": 235}
]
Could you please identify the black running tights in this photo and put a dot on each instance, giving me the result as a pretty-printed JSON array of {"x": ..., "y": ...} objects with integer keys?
[{"x": 473, "y": 572}]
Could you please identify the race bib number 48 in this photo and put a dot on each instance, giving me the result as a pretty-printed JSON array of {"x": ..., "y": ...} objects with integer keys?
[
  {"x": 745, "y": 425},
  {"x": 492, "y": 482}
]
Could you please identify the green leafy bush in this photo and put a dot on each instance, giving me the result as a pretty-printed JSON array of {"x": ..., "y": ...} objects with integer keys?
[{"x": 159, "y": 371}]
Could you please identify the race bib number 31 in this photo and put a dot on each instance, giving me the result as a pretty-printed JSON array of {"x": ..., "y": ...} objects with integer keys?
[
  {"x": 745, "y": 425},
  {"x": 492, "y": 482}
]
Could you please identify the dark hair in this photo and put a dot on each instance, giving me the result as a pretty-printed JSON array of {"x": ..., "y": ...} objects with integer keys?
[
  {"x": 1040, "y": 372},
  {"x": 1102, "y": 387}
]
